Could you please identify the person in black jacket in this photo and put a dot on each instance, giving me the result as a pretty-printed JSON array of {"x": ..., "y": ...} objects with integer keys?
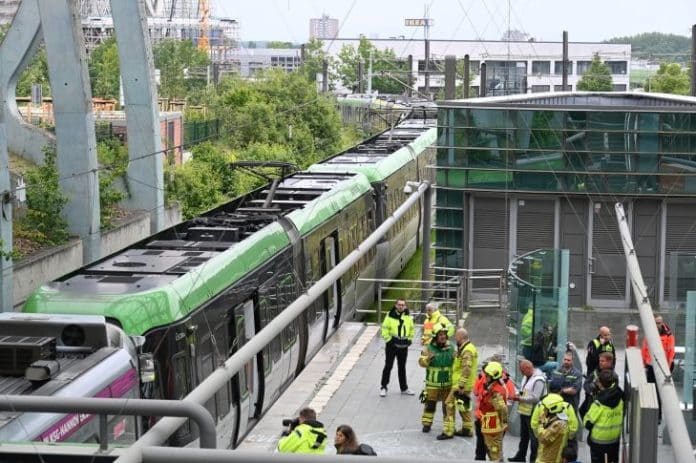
[
  {"x": 346, "y": 442},
  {"x": 602, "y": 343}
]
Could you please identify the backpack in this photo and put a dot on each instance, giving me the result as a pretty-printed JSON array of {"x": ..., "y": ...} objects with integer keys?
[{"x": 364, "y": 449}]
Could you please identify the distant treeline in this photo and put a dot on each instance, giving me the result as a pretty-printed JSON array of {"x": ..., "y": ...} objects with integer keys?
[{"x": 657, "y": 46}]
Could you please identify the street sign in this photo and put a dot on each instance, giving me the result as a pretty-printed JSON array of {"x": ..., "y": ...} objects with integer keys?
[{"x": 418, "y": 22}]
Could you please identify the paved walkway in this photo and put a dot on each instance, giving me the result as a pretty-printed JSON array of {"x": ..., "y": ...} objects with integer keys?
[{"x": 342, "y": 384}]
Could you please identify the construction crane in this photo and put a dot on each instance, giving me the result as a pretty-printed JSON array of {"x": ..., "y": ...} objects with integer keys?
[{"x": 203, "y": 18}]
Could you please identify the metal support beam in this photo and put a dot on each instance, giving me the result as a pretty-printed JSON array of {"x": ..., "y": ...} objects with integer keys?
[
  {"x": 693, "y": 60},
  {"x": 663, "y": 379},
  {"x": 361, "y": 78},
  {"x": 161, "y": 431},
  {"x": 139, "y": 407},
  {"x": 410, "y": 80},
  {"x": 145, "y": 170},
  {"x": 76, "y": 141},
  {"x": 482, "y": 85},
  {"x": 425, "y": 261},
  {"x": 6, "y": 275}
]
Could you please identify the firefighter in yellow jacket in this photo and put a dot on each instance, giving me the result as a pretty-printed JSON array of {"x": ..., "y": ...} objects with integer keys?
[
  {"x": 553, "y": 429},
  {"x": 463, "y": 378},
  {"x": 437, "y": 358},
  {"x": 434, "y": 317}
]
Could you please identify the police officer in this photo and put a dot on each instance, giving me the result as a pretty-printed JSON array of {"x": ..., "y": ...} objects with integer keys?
[
  {"x": 308, "y": 436},
  {"x": 437, "y": 358},
  {"x": 602, "y": 343},
  {"x": 397, "y": 332},
  {"x": 463, "y": 378},
  {"x": 604, "y": 420}
]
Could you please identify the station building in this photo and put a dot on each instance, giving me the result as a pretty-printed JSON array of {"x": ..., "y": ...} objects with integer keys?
[{"x": 523, "y": 172}]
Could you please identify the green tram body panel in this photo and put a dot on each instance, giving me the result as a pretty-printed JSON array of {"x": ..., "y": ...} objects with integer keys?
[
  {"x": 329, "y": 204},
  {"x": 381, "y": 170},
  {"x": 140, "y": 312}
]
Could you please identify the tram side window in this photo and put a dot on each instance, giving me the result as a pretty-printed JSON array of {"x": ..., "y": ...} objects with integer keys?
[
  {"x": 206, "y": 366},
  {"x": 240, "y": 340},
  {"x": 265, "y": 318},
  {"x": 181, "y": 379},
  {"x": 222, "y": 397},
  {"x": 286, "y": 294}
]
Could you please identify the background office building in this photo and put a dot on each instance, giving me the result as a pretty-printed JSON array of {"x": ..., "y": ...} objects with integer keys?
[
  {"x": 524, "y": 172},
  {"x": 511, "y": 67},
  {"x": 323, "y": 28}
]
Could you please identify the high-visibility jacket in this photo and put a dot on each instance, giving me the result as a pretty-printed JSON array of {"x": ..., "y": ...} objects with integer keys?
[
  {"x": 539, "y": 414},
  {"x": 667, "y": 339},
  {"x": 308, "y": 437},
  {"x": 398, "y": 327},
  {"x": 435, "y": 318},
  {"x": 438, "y": 373},
  {"x": 552, "y": 434},
  {"x": 464, "y": 367},
  {"x": 531, "y": 390},
  {"x": 526, "y": 326},
  {"x": 594, "y": 348},
  {"x": 478, "y": 391},
  {"x": 605, "y": 417},
  {"x": 493, "y": 409}
]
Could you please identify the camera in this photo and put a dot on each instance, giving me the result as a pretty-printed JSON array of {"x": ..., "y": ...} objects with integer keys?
[{"x": 290, "y": 423}]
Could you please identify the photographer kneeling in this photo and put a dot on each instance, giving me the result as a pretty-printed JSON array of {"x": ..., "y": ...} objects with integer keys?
[{"x": 304, "y": 435}]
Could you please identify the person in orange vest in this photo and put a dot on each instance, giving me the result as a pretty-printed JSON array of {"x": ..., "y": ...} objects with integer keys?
[
  {"x": 667, "y": 339},
  {"x": 493, "y": 411},
  {"x": 477, "y": 391}
]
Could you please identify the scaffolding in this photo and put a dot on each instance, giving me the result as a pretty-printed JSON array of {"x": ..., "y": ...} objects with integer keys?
[{"x": 166, "y": 19}]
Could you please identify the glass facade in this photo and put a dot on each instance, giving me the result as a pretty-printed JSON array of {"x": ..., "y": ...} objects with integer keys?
[
  {"x": 568, "y": 151},
  {"x": 538, "y": 299}
]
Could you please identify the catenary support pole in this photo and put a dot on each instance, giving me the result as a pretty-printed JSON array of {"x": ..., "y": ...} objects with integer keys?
[
  {"x": 161, "y": 431},
  {"x": 671, "y": 410},
  {"x": 482, "y": 85},
  {"x": 425, "y": 261},
  {"x": 693, "y": 60},
  {"x": 564, "y": 77},
  {"x": 450, "y": 77},
  {"x": 467, "y": 76}
]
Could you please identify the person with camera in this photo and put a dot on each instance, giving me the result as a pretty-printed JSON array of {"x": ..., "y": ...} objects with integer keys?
[
  {"x": 304, "y": 434},
  {"x": 397, "y": 332}
]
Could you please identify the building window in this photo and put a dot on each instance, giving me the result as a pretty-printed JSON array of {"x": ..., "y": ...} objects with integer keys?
[
  {"x": 558, "y": 68},
  {"x": 617, "y": 67},
  {"x": 559, "y": 88},
  {"x": 619, "y": 87},
  {"x": 541, "y": 67},
  {"x": 541, "y": 88},
  {"x": 583, "y": 66}
]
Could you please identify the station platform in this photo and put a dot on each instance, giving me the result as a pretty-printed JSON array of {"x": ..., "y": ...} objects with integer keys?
[{"x": 342, "y": 384}]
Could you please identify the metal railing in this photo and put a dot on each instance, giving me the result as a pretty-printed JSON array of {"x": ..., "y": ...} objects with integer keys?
[{"x": 483, "y": 288}]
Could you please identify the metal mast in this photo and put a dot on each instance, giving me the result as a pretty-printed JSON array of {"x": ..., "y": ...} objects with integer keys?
[{"x": 671, "y": 410}]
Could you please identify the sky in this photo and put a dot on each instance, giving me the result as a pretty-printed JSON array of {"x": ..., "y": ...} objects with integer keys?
[{"x": 585, "y": 20}]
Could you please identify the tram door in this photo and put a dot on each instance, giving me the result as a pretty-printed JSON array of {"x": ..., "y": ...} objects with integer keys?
[
  {"x": 607, "y": 276},
  {"x": 249, "y": 385},
  {"x": 332, "y": 296}
]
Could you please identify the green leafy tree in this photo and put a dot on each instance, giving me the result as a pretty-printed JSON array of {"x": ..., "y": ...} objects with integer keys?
[
  {"x": 655, "y": 44},
  {"x": 388, "y": 73},
  {"x": 113, "y": 159},
  {"x": 279, "y": 109},
  {"x": 182, "y": 68},
  {"x": 597, "y": 78},
  {"x": 314, "y": 60},
  {"x": 670, "y": 78},
  {"x": 35, "y": 73},
  {"x": 104, "y": 70},
  {"x": 279, "y": 44},
  {"x": 43, "y": 222},
  {"x": 195, "y": 186}
]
